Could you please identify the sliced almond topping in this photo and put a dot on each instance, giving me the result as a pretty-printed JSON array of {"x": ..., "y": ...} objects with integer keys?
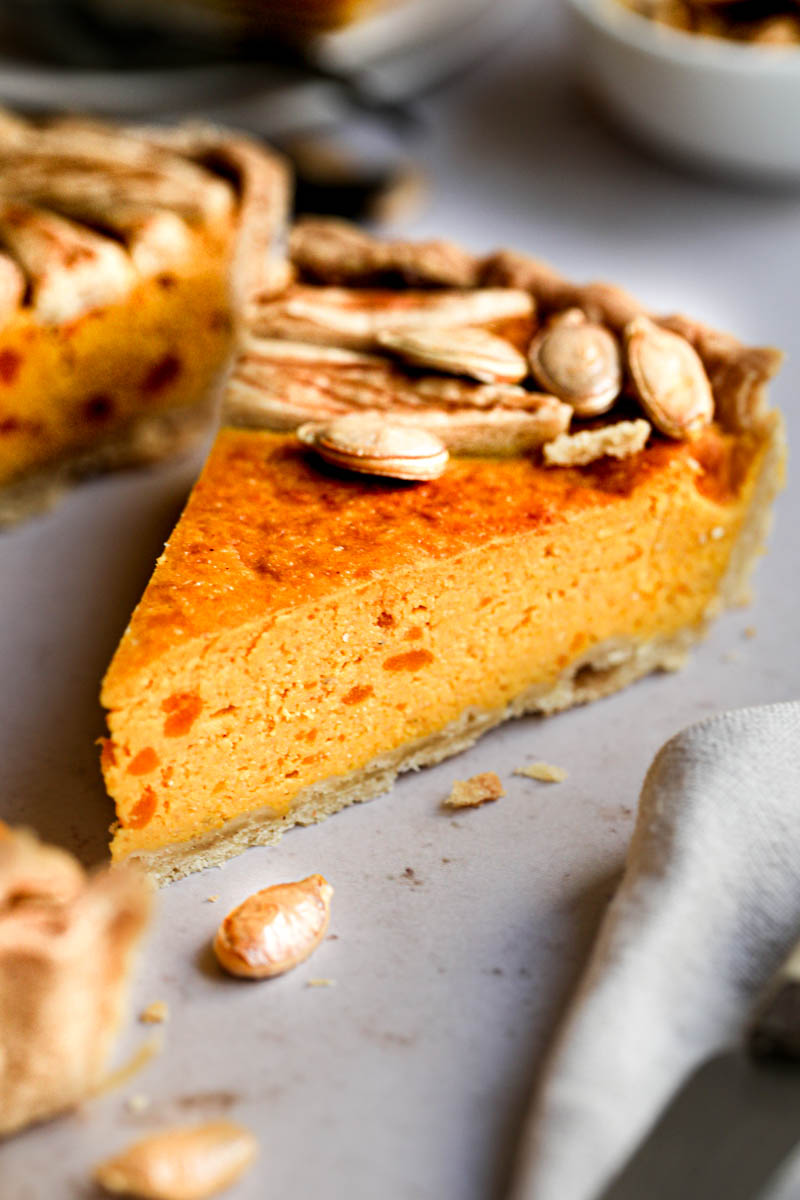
[
  {"x": 578, "y": 361},
  {"x": 72, "y": 269},
  {"x": 332, "y": 251},
  {"x": 480, "y": 789},
  {"x": 144, "y": 212},
  {"x": 274, "y": 929},
  {"x": 204, "y": 199},
  {"x": 180, "y": 1164},
  {"x": 129, "y": 160},
  {"x": 156, "y": 240},
  {"x": 614, "y": 441},
  {"x": 670, "y": 379},
  {"x": 356, "y": 318},
  {"x": 372, "y": 445},
  {"x": 469, "y": 418},
  {"x": 472, "y": 352},
  {"x": 12, "y": 287},
  {"x": 274, "y": 350}
]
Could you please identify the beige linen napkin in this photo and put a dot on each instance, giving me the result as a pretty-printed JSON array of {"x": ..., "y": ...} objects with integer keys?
[{"x": 708, "y": 906}]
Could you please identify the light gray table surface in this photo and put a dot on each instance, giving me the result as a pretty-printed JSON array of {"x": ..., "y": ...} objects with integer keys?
[{"x": 408, "y": 1078}]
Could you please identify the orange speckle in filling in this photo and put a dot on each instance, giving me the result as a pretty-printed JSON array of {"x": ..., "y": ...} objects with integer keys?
[
  {"x": 161, "y": 374},
  {"x": 145, "y": 761},
  {"x": 108, "y": 753},
  {"x": 10, "y": 363},
  {"x": 98, "y": 407},
  {"x": 357, "y": 694},
  {"x": 220, "y": 321},
  {"x": 21, "y": 425},
  {"x": 142, "y": 812},
  {"x": 412, "y": 660},
  {"x": 183, "y": 709}
]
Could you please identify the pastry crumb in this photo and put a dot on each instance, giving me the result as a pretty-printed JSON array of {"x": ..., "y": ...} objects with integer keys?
[
  {"x": 469, "y": 793},
  {"x": 212, "y": 899},
  {"x": 613, "y": 441},
  {"x": 543, "y": 771},
  {"x": 138, "y": 1102},
  {"x": 750, "y": 632},
  {"x": 155, "y": 1013},
  {"x": 321, "y": 983}
]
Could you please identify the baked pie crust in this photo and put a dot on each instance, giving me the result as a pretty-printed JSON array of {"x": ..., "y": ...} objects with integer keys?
[
  {"x": 125, "y": 257},
  {"x": 66, "y": 946},
  {"x": 309, "y": 632}
]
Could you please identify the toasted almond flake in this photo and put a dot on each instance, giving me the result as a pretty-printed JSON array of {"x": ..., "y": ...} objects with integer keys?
[
  {"x": 372, "y": 445},
  {"x": 579, "y": 361},
  {"x": 355, "y": 318},
  {"x": 256, "y": 349},
  {"x": 333, "y": 251},
  {"x": 470, "y": 793},
  {"x": 12, "y": 287},
  {"x": 274, "y": 929},
  {"x": 155, "y": 1013},
  {"x": 188, "y": 1163},
  {"x": 472, "y": 352},
  {"x": 72, "y": 269},
  {"x": 469, "y": 418},
  {"x": 156, "y": 237},
  {"x": 543, "y": 771},
  {"x": 141, "y": 170},
  {"x": 614, "y": 441},
  {"x": 670, "y": 379}
]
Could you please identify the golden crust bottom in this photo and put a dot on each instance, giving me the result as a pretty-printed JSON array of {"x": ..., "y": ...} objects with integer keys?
[{"x": 610, "y": 666}]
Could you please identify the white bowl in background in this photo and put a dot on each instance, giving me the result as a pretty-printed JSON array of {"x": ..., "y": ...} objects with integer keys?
[{"x": 717, "y": 104}]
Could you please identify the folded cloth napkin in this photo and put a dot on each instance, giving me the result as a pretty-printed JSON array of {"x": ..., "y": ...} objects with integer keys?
[{"x": 708, "y": 907}]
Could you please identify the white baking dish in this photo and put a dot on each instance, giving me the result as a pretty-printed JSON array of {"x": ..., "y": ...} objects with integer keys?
[{"x": 718, "y": 104}]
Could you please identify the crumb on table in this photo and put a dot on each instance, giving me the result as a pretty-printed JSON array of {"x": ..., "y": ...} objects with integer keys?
[
  {"x": 543, "y": 771},
  {"x": 155, "y": 1013},
  {"x": 469, "y": 793}
]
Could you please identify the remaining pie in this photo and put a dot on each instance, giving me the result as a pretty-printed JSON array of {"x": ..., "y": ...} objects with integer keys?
[
  {"x": 125, "y": 255},
  {"x": 66, "y": 947},
  {"x": 763, "y": 23},
  {"x": 507, "y": 494}
]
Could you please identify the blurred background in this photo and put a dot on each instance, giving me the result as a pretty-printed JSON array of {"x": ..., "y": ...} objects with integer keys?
[
  {"x": 334, "y": 83},
  {"x": 348, "y": 88}
]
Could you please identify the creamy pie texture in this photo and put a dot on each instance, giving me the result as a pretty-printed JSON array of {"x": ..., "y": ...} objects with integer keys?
[
  {"x": 124, "y": 257},
  {"x": 440, "y": 548}
]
